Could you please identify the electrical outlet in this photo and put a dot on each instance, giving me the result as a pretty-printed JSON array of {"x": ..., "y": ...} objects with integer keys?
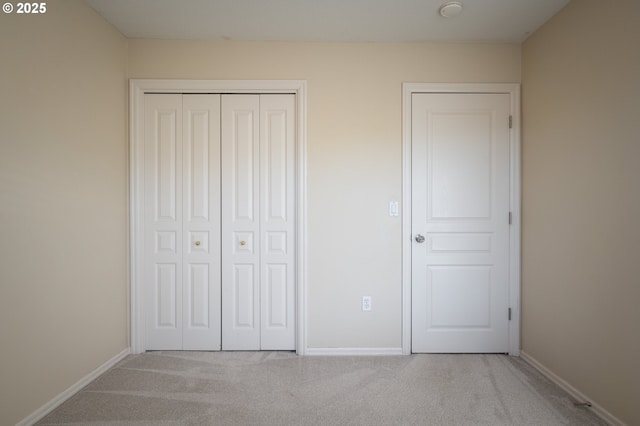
[{"x": 366, "y": 303}]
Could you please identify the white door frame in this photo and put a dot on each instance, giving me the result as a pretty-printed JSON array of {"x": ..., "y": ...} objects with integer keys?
[
  {"x": 408, "y": 89},
  {"x": 137, "y": 89}
]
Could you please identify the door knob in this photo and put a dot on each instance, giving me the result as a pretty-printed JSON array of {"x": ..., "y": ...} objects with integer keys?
[
  {"x": 242, "y": 243},
  {"x": 420, "y": 238},
  {"x": 197, "y": 243}
]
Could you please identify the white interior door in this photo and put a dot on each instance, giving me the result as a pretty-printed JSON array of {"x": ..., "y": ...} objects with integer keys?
[
  {"x": 201, "y": 222},
  {"x": 258, "y": 290},
  {"x": 241, "y": 222},
  {"x": 219, "y": 222},
  {"x": 182, "y": 221},
  {"x": 460, "y": 222},
  {"x": 277, "y": 220},
  {"x": 163, "y": 221}
]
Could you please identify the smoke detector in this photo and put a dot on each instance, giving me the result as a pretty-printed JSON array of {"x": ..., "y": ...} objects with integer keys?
[{"x": 451, "y": 9}]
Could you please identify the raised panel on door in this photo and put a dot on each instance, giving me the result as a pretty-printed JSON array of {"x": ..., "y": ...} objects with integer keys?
[
  {"x": 201, "y": 223},
  {"x": 240, "y": 222},
  {"x": 277, "y": 221},
  {"x": 460, "y": 203},
  {"x": 163, "y": 221}
]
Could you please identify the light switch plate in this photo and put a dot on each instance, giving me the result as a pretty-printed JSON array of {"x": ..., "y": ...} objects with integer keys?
[{"x": 394, "y": 208}]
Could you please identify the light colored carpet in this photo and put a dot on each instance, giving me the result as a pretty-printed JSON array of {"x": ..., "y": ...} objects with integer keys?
[{"x": 276, "y": 388}]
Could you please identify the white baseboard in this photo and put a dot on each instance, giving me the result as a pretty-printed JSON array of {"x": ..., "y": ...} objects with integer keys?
[
  {"x": 72, "y": 390},
  {"x": 352, "y": 351},
  {"x": 575, "y": 393}
]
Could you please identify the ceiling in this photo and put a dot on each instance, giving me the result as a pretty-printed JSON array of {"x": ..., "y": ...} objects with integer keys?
[{"x": 508, "y": 21}]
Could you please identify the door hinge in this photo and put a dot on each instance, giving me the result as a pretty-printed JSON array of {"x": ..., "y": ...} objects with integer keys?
[
  {"x": 511, "y": 121},
  {"x": 510, "y": 218},
  {"x": 509, "y": 314}
]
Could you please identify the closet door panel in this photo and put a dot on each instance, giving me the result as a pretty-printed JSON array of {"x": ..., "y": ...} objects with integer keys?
[
  {"x": 201, "y": 222},
  {"x": 163, "y": 221},
  {"x": 240, "y": 222},
  {"x": 277, "y": 221}
]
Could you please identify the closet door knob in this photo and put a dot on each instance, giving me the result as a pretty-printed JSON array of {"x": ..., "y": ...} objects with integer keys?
[
  {"x": 243, "y": 243},
  {"x": 197, "y": 243}
]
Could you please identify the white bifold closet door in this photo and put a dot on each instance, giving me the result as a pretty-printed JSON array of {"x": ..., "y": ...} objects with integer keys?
[
  {"x": 182, "y": 221},
  {"x": 258, "y": 222},
  {"x": 219, "y": 222}
]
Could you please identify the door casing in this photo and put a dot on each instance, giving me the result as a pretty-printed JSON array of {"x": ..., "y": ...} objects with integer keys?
[
  {"x": 137, "y": 90},
  {"x": 513, "y": 90}
]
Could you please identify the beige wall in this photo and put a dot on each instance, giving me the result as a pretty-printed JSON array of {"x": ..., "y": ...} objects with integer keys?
[
  {"x": 63, "y": 202},
  {"x": 354, "y": 156},
  {"x": 581, "y": 201}
]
